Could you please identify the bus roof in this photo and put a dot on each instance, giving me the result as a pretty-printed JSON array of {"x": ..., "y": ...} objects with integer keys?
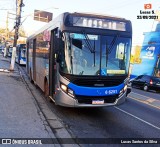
[
  {"x": 60, "y": 17},
  {"x": 99, "y": 15}
]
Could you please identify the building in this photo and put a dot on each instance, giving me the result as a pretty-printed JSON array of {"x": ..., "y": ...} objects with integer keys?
[{"x": 149, "y": 59}]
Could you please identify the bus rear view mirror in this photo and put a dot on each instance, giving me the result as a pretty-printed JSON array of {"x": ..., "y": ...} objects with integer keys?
[
  {"x": 77, "y": 43},
  {"x": 59, "y": 45}
]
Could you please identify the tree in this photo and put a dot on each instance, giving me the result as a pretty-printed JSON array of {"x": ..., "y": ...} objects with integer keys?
[
  {"x": 2, "y": 35},
  {"x": 2, "y": 30},
  {"x": 11, "y": 34},
  {"x": 22, "y": 32}
]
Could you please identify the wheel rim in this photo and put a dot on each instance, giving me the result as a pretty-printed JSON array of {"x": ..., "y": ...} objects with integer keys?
[{"x": 145, "y": 87}]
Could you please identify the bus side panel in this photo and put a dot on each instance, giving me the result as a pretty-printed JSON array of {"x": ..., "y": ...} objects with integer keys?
[
  {"x": 27, "y": 58},
  {"x": 34, "y": 60},
  {"x": 41, "y": 61},
  {"x": 30, "y": 59}
]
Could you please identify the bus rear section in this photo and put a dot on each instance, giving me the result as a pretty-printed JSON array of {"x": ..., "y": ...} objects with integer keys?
[
  {"x": 84, "y": 62},
  {"x": 21, "y": 54}
]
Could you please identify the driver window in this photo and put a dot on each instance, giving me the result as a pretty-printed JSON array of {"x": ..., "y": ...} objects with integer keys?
[
  {"x": 120, "y": 55},
  {"x": 120, "y": 51}
]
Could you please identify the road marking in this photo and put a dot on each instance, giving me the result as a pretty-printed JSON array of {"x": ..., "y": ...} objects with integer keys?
[
  {"x": 137, "y": 118},
  {"x": 150, "y": 100},
  {"x": 144, "y": 101},
  {"x": 141, "y": 95}
]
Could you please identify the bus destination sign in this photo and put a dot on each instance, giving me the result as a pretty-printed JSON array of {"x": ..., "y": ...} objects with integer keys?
[{"x": 99, "y": 23}]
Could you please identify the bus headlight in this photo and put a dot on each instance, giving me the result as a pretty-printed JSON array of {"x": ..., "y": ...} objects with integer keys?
[
  {"x": 64, "y": 87},
  {"x": 67, "y": 90}
]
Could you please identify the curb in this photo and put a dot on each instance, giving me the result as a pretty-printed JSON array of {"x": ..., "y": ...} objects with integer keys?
[
  {"x": 4, "y": 70},
  {"x": 58, "y": 128}
]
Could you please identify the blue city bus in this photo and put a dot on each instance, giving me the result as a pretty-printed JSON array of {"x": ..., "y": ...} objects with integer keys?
[
  {"x": 81, "y": 60},
  {"x": 21, "y": 54}
]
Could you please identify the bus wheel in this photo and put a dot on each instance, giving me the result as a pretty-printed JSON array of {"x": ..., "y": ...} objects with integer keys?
[
  {"x": 30, "y": 77},
  {"x": 46, "y": 91}
]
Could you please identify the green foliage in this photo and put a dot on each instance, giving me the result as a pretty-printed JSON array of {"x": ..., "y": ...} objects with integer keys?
[
  {"x": 22, "y": 32},
  {"x": 2, "y": 30}
]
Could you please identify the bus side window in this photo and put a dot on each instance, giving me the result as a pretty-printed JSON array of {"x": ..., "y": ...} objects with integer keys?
[{"x": 23, "y": 53}]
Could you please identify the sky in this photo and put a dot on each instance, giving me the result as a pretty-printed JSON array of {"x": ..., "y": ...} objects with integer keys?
[{"x": 128, "y": 9}]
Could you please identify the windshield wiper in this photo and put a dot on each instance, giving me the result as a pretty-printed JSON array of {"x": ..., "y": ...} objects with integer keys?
[
  {"x": 89, "y": 45},
  {"x": 71, "y": 62},
  {"x": 106, "y": 54},
  {"x": 112, "y": 43},
  {"x": 109, "y": 49},
  {"x": 81, "y": 73},
  {"x": 94, "y": 53},
  {"x": 88, "y": 42}
]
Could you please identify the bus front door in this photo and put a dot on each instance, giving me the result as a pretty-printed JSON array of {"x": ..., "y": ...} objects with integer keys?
[{"x": 52, "y": 64}]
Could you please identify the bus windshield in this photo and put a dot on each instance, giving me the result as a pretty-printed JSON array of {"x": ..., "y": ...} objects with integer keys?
[
  {"x": 23, "y": 52},
  {"x": 88, "y": 54}
]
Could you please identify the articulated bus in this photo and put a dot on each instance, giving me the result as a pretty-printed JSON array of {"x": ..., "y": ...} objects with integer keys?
[
  {"x": 81, "y": 59},
  {"x": 21, "y": 54}
]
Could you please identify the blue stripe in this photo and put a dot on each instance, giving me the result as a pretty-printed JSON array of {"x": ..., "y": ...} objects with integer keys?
[
  {"x": 23, "y": 58},
  {"x": 95, "y": 91}
]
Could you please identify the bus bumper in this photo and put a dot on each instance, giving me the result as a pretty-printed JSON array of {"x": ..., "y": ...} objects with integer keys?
[
  {"x": 22, "y": 62},
  {"x": 62, "y": 99}
]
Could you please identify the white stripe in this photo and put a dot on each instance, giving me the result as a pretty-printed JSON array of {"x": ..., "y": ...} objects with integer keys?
[{"x": 137, "y": 118}]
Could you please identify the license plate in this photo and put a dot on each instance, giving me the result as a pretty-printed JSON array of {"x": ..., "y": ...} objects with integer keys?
[
  {"x": 97, "y": 102},
  {"x": 158, "y": 84}
]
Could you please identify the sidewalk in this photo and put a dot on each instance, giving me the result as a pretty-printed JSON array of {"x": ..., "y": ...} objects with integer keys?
[{"x": 20, "y": 116}]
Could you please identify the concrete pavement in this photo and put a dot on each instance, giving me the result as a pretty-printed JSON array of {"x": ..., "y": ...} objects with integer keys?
[{"x": 20, "y": 115}]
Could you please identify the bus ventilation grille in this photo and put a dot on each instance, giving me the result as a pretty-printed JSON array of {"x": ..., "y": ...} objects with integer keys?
[{"x": 88, "y": 99}]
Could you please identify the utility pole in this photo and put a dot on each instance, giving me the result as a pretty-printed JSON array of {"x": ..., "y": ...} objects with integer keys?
[
  {"x": 19, "y": 5},
  {"x": 6, "y": 37},
  {"x": 7, "y": 30}
]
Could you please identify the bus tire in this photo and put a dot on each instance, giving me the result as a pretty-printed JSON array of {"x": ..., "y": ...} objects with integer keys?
[
  {"x": 46, "y": 91},
  {"x": 30, "y": 77}
]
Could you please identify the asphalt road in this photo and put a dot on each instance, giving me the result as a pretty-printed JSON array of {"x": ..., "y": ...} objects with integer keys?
[
  {"x": 133, "y": 119},
  {"x": 151, "y": 94}
]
